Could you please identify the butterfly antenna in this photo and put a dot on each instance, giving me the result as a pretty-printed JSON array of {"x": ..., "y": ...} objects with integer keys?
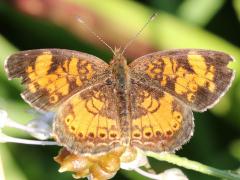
[
  {"x": 94, "y": 34},
  {"x": 152, "y": 17}
]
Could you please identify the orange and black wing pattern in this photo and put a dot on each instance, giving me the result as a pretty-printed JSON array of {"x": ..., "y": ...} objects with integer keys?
[
  {"x": 159, "y": 122},
  {"x": 196, "y": 77},
  {"x": 87, "y": 123},
  {"x": 53, "y": 75}
]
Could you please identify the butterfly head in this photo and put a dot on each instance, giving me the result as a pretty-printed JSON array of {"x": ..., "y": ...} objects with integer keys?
[{"x": 118, "y": 57}]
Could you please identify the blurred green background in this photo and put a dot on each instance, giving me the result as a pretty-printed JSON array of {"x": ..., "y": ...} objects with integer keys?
[{"x": 208, "y": 24}]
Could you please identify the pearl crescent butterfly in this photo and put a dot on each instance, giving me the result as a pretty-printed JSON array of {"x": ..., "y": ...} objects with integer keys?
[{"x": 146, "y": 104}]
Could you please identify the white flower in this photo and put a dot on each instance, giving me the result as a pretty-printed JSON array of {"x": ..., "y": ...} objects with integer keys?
[
  {"x": 42, "y": 126},
  {"x": 130, "y": 163},
  {"x": 173, "y": 173}
]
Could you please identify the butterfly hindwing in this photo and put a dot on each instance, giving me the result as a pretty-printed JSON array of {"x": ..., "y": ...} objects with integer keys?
[
  {"x": 159, "y": 122},
  {"x": 88, "y": 121}
]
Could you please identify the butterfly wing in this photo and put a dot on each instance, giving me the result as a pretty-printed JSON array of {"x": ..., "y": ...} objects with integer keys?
[
  {"x": 87, "y": 123},
  {"x": 196, "y": 77},
  {"x": 159, "y": 122},
  {"x": 53, "y": 75}
]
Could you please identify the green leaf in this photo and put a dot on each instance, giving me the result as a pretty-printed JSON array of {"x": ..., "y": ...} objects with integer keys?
[
  {"x": 236, "y": 5},
  {"x": 6, "y": 50},
  {"x": 235, "y": 149},
  {"x": 10, "y": 168},
  {"x": 199, "y": 12}
]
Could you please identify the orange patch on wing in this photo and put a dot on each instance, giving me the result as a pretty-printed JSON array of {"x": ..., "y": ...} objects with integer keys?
[
  {"x": 78, "y": 81},
  {"x": 203, "y": 75},
  {"x": 88, "y": 122},
  {"x": 32, "y": 76},
  {"x": 188, "y": 83},
  {"x": 162, "y": 118},
  {"x": 90, "y": 71},
  {"x": 65, "y": 65},
  {"x": 62, "y": 86},
  {"x": 29, "y": 69},
  {"x": 43, "y": 82},
  {"x": 73, "y": 69},
  {"x": 168, "y": 69},
  {"x": 149, "y": 70},
  {"x": 43, "y": 63},
  {"x": 59, "y": 70},
  {"x": 32, "y": 88}
]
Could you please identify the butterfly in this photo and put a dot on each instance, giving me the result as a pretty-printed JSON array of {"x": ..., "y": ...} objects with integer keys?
[{"x": 146, "y": 104}]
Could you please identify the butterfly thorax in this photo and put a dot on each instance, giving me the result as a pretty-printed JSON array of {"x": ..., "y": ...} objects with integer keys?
[{"x": 121, "y": 89}]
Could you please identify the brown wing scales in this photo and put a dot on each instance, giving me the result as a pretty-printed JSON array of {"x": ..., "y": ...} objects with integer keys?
[
  {"x": 159, "y": 122},
  {"x": 88, "y": 123},
  {"x": 196, "y": 77},
  {"x": 53, "y": 75}
]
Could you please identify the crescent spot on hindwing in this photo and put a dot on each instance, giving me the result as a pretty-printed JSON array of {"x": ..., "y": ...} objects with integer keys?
[
  {"x": 159, "y": 122},
  {"x": 88, "y": 123}
]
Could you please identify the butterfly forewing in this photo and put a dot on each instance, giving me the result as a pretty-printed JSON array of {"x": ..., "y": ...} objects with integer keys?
[
  {"x": 196, "y": 77},
  {"x": 53, "y": 75}
]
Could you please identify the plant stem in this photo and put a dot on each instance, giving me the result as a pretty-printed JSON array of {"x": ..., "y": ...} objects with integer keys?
[
  {"x": 193, "y": 165},
  {"x": 8, "y": 139}
]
